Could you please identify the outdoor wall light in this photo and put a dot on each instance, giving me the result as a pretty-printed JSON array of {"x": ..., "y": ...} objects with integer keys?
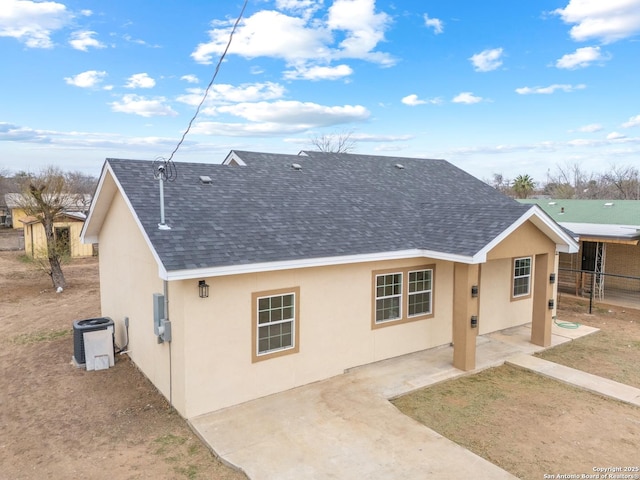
[
  {"x": 474, "y": 291},
  {"x": 203, "y": 289},
  {"x": 474, "y": 321},
  {"x": 551, "y": 304},
  {"x": 552, "y": 278}
]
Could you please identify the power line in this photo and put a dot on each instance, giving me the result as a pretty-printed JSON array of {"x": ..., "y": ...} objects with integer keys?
[{"x": 215, "y": 74}]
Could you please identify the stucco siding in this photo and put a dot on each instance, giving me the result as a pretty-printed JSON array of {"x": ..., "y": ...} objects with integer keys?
[
  {"x": 128, "y": 280},
  {"x": 334, "y": 326},
  {"x": 498, "y": 310}
]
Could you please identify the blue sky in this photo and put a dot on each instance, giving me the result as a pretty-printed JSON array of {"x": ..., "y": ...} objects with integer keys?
[{"x": 502, "y": 86}]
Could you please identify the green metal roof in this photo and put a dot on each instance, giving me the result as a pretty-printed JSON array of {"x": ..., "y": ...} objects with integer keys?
[{"x": 604, "y": 212}]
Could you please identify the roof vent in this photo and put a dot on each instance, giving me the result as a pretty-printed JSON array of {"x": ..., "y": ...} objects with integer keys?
[
  {"x": 296, "y": 166},
  {"x": 205, "y": 179},
  {"x": 552, "y": 203},
  {"x": 608, "y": 204},
  {"x": 399, "y": 166}
]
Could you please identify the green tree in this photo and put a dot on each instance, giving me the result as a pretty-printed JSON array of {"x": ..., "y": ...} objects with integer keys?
[{"x": 523, "y": 186}]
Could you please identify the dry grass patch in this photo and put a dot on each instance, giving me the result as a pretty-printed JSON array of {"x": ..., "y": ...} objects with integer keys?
[{"x": 527, "y": 424}]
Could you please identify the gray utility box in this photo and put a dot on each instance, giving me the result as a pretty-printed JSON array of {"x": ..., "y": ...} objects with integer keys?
[{"x": 88, "y": 325}]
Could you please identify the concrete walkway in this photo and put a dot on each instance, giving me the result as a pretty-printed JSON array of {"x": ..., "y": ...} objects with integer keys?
[
  {"x": 578, "y": 378},
  {"x": 345, "y": 427}
]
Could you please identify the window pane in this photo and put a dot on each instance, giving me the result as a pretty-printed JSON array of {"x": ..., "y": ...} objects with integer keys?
[
  {"x": 276, "y": 315},
  {"x": 263, "y": 304},
  {"x": 263, "y": 317}
]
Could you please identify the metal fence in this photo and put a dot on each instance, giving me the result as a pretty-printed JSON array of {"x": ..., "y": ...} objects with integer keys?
[{"x": 599, "y": 287}]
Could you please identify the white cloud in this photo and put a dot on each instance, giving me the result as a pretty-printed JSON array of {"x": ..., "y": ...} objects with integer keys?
[
  {"x": 604, "y": 21},
  {"x": 412, "y": 100},
  {"x": 466, "y": 97},
  {"x": 591, "y": 128},
  {"x": 31, "y": 22},
  {"x": 224, "y": 93},
  {"x": 435, "y": 23},
  {"x": 87, "y": 79},
  {"x": 190, "y": 78},
  {"x": 487, "y": 60},
  {"x": 82, "y": 40},
  {"x": 616, "y": 136},
  {"x": 550, "y": 89},
  {"x": 581, "y": 58},
  {"x": 319, "y": 73},
  {"x": 290, "y": 112},
  {"x": 632, "y": 122},
  {"x": 140, "y": 80},
  {"x": 307, "y": 43},
  {"x": 363, "y": 28},
  {"x": 142, "y": 106}
]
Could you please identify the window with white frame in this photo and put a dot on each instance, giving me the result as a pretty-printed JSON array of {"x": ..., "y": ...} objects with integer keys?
[
  {"x": 388, "y": 297},
  {"x": 420, "y": 292},
  {"x": 276, "y": 318},
  {"x": 521, "y": 277}
]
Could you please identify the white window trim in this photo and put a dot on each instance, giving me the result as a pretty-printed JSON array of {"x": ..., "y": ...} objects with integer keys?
[
  {"x": 409, "y": 292},
  {"x": 291, "y": 320},
  {"x": 528, "y": 276},
  {"x": 398, "y": 295}
]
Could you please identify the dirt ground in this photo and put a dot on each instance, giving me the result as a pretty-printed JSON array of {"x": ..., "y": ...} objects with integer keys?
[
  {"x": 58, "y": 421},
  {"x": 533, "y": 426}
]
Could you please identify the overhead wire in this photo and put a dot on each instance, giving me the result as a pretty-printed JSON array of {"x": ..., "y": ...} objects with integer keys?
[{"x": 213, "y": 78}]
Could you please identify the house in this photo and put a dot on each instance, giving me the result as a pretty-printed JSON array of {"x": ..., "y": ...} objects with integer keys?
[
  {"x": 271, "y": 271},
  {"x": 608, "y": 232},
  {"x": 66, "y": 230},
  {"x": 15, "y": 203}
]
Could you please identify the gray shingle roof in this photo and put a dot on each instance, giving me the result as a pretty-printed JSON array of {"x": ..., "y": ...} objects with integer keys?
[{"x": 335, "y": 205}]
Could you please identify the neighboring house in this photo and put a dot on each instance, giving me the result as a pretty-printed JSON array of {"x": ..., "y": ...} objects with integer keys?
[
  {"x": 66, "y": 230},
  {"x": 15, "y": 202},
  {"x": 609, "y": 235},
  {"x": 281, "y": 270}
]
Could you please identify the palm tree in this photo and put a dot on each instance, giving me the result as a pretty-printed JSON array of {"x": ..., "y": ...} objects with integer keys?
[{"x": 523, "y": 185}]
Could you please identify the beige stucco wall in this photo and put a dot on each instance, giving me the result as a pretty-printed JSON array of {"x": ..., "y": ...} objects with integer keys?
[
  {"x": 497, "y": 309},
  {"x": 335, "y": 330},
  {"x": 128, "y": 280}
]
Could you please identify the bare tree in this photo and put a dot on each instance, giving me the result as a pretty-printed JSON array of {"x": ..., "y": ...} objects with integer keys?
[
  {"x": 45, "y": 196},
  {"x": 336, "y": 142},
  {"x": 570, "y": 181},
  {"x": 623, "y": 182}
]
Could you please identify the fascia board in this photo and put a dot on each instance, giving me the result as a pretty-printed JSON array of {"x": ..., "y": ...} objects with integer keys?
[
  {"x": 189, "y": 274},
  {"x": 233, "y": 157},
  {"x": 564, "y": 242},
  {"x": 92, "y": 224},
  {"x": 104, "y": 205}
]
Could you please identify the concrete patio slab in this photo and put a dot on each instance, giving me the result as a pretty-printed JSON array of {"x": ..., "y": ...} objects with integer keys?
[{"x": 345, "y": 427}]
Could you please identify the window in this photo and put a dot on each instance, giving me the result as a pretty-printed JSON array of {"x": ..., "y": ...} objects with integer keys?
[
  {"x": 388, "y": 297},
  {"x": 419, "y": 292},
  {"x": 402, "y": 295},
  {"x": 521, "y": 277},
  {"x": 275, "y": 317}
]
